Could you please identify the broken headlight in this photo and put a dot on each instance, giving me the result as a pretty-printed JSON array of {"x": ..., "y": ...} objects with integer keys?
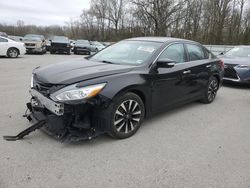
[{"x": 72, "y": 93}]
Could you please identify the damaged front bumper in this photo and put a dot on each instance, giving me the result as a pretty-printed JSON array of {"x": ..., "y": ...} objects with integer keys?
[{"x": 67, "y": 123}]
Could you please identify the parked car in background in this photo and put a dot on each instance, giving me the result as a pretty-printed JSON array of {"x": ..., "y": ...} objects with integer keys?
[
  {"x": 3, "y": 34},
  {"x": 237, "y": 65},
  {"x": 115, "y": 89},
  {"x": 60, "y": 44},
  {"x": 82, "y": 47},
  {"x": 11, "y": 48},
  {"x": 96, "y": 46},
  {"x": 16, "y": 38},
  {"x": 34, "y": 44}
]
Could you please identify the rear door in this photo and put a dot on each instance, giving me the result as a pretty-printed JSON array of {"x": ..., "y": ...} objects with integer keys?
[
  {"x": 3, "y": 46},
  {"x": 199, "y": 66}
]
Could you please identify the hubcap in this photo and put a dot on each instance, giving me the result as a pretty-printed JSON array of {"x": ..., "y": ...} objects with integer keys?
[
  {"x": 212, "y": 90},
  {"x": 13, "y": 53},
  {"x": 127, "y": 116}
]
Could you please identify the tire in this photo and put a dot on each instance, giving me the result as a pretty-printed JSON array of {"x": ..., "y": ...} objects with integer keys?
[
  {"x": 68, "y": 52},
  {"x": 211, "y": 90},
  {"x": 124, "y": 116},
  {"x": 96, "y": 50},
  {"x": 13, "y": 53},
  {"x": 52, "y": 52}
]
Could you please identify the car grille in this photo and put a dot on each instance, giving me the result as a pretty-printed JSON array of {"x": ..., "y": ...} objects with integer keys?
[
  {"x": 59, "y": 45},
  {"x": 230, "y": 72},
  {"x": 29, "y": 44}
]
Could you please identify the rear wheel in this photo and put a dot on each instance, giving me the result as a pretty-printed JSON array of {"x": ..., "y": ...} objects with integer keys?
[
  {"x": 211, "y": 91},
  {"x": 12, "y": 53}
]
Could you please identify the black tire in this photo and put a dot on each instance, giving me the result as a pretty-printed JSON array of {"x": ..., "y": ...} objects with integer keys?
[
  {"x": 52, "y": 52},
  {"x": 68, "y": 52},
  {"x": 12, "y": 53},
  {"x": 211, "y": 90},
  {"x": 120, "y": 123}
]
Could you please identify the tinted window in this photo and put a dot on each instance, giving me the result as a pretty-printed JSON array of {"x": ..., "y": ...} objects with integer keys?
[
  {"x": 195, "y": 52},
  {"x": 174, "y": 52},
  {"x": 3, "y": 40}
]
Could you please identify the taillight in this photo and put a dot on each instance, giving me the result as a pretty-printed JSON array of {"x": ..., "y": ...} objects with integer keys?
[{"x": 221, "y": 64}]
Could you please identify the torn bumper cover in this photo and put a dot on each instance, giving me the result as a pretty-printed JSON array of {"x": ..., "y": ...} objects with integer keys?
[{"x": 67, "y": 123}]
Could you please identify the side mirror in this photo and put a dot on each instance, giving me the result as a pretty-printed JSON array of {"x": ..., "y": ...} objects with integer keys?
[
  {"x": 222, "y": 53},
  {"x": 165, "y": 63}
]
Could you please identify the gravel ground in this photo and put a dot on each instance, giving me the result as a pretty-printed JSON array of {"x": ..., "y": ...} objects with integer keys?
[{"x": 195, "y": 145}]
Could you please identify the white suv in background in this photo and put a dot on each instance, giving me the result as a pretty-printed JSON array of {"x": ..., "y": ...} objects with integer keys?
[{"x": 11, "y": 48}]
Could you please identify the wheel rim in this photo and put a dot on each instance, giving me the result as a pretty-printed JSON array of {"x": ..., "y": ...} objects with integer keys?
[
  {"x": 127, "y": 116},
  {"x": 13, "y": 53},
  {"x": 212, "y": 90}
]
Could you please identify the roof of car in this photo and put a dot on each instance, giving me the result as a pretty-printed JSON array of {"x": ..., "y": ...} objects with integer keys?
[{"x": 159, "y": 39}]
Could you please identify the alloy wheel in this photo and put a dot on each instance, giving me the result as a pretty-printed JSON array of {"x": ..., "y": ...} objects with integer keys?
[
  {"x": 127, "y": 116},
  {"x": 13, "y": 53},
  {"x": 212, "y": 90}
]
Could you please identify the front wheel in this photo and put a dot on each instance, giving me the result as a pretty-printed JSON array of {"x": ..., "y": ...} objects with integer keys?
[
  {"x": 124, "y": 116},
  {"x": 211, "y": 91},
  {"x": 12, "y": 53}
]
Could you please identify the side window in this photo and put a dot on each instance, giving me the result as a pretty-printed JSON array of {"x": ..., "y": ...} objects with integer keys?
[
  {"x": 195, "y": 52},
  {"x": 3, "y": 40},
  {"x": 174, "y": 52}
]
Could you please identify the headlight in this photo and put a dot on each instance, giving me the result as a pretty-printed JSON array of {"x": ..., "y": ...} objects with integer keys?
[
  {"x": 244, "y": 66},
  {"x": 32, "y": 81},
  {"x": 79, "y": 93}
]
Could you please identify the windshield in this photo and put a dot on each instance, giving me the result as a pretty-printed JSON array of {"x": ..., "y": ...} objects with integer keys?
[
  {"x": 127, "y": 52},
  {"x": 239, "y": 52},
  {"x": 61, "y": 38},
  {"x": 82, "y": 42}
]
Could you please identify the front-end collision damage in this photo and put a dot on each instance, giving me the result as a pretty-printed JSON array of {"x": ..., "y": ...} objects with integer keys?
[{"x": 66, "y": 122}]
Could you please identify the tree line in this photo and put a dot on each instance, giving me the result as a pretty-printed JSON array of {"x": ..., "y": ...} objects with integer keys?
[{"x": 205, "y": 21}]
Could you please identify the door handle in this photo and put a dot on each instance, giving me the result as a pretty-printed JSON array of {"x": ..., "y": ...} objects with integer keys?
[
  {"x": 187, "y": 72},
  {"x": 208, "y": 66}
]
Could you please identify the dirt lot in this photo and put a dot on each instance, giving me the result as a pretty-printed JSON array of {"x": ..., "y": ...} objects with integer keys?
[{"x": 193, "y": 146}]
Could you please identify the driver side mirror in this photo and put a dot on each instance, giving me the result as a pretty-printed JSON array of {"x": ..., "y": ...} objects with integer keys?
[
  {"x": 222, "y": 53},
  {"x": 165, "y": 63}
]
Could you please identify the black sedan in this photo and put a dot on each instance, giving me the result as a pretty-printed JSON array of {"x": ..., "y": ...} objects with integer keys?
[
  {"x": 237, "y": 65},
  {"x": 115, "y": 89}
]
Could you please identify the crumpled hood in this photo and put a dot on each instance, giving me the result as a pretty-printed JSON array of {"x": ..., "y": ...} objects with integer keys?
[
  {"x": 77, "y": 70},
  {"x": 235, "y": 60}
]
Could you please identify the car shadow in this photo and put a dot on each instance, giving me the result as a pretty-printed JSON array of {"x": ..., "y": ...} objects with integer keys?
[
  {"x": 106, "y": 139},
  {"x": 236, "y": 85}
]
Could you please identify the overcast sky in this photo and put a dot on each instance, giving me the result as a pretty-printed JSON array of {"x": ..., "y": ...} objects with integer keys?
[{"x": 41, "y": 12}]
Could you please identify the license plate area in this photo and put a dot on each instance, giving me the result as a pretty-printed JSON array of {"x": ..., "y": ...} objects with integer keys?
[{"x": 41, "y": 100}]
